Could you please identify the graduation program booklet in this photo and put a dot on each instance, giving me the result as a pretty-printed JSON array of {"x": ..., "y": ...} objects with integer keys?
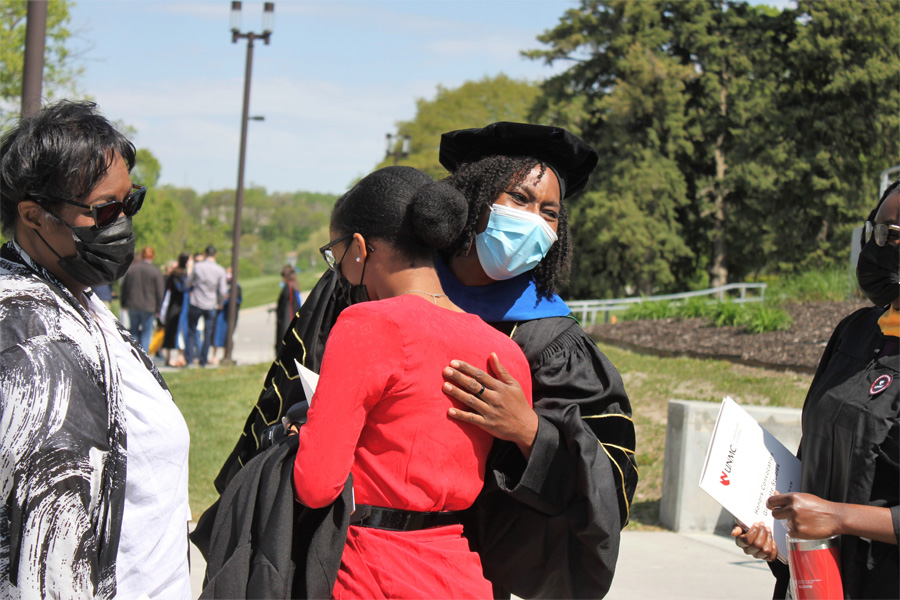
[
  {"x": 309, "y": 379},
  {"x": 745, "y": 465}
]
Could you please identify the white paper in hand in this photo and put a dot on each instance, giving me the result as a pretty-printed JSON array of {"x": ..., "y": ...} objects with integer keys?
[
  {"x": 309, "y": 379},
  {"x": 745, "y": 465}
]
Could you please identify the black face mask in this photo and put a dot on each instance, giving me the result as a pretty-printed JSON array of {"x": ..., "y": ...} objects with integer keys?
[
  {"x": 878, "y": 272},
  {"x": 354, "y": 294},
  {"x": 103, "y": 255}
]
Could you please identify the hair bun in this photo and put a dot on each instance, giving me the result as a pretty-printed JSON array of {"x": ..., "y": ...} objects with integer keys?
[{"x": 438, "y": 214}]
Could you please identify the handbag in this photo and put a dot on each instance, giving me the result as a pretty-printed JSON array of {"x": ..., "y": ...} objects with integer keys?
[{"x": 156, "y": 341}]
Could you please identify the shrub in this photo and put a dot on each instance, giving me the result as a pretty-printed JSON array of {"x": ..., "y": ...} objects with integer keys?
[
  {"x": 764, "y": 317},
  {"x": 694, "y": 307},
  {"x": 662, "y": 309},
  {"x": 756, "y": 317},
  {"x": 834, "y": 285},
  {"x": 727, "y": 314}
]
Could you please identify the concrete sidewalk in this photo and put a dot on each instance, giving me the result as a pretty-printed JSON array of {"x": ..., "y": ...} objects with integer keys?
[
  {"x": 254, "y": 336},
  {"x": 659, "y": 565},
  {"x": 662, "y": 564}
]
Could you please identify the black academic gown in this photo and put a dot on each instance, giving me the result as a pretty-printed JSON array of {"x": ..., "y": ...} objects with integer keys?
[
  {"x": 267, "y": 545},
  {"x": 850, "y": 449},
  {"x": 550, "y": 527},
  {"x": 303, "y": 342}
]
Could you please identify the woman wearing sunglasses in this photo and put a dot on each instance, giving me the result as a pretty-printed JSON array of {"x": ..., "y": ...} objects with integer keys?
[
  {"x": 850, "y": 448},
  {"x": 379, "y": 412},
  {"x": 76, "y": 388}
]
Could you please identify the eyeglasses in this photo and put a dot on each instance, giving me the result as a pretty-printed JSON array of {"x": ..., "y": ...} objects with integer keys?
[
  {"x": 882, "y": 232},
  {"x": 328, "y": 255},
  {"x": 105, "y": 214}
]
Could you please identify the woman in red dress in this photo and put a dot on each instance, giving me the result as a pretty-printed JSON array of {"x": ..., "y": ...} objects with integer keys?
[{"x": 380, "y": 412}]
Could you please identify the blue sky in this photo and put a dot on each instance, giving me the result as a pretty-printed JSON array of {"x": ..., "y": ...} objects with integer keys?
[{"x": 336, "y": 77}]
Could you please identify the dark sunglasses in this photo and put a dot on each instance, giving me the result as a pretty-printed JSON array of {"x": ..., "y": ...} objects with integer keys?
[
  {"x": 328, "y": 254},
  {"x": 106, "y": 214},
  {"x": 882, "y": 232}
]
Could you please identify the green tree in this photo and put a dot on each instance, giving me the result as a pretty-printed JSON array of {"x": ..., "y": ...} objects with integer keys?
[
  {"x": 840, "y": 126},
  {"x": 164, "y": 224},
  {"x": 626, "y": 97},
  {"x": 473, "y": 104},
  {"x": 730, "y": 46},
  {"x": 273, "y": 226},
  {"x": 164, "y": 221},
  {"x": 60, "y": 70},
  {"x": 763, "y": 132},
  {"x": 146, "y": 169}
]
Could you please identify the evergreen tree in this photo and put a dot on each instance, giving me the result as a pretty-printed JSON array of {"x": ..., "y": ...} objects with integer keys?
[
  {"x": 839, "y": 113},
  {"x": 734, "y": 139},
  {"x": 626, "y": 97}
]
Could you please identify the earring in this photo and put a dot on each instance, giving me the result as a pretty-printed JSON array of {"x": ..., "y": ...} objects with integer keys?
[{"x": 357, "y": 259}]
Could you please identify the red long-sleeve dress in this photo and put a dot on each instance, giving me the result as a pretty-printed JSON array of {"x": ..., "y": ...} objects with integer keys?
[{"x": 379, "y": 412}]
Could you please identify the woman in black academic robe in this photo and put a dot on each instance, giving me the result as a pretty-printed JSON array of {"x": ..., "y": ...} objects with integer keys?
[
  {"x": 548, "y": 523},
  {"x": 850, "y": 449},
  {"x": 288, "y": 304}
]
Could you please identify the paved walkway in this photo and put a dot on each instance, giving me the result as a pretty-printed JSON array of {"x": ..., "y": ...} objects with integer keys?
[
  {"x": 254, "y": 336},
  {"x": 652, "y": 565}
]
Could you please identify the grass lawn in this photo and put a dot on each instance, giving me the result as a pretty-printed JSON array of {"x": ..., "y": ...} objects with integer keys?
[{"x": 216, "y": 402}]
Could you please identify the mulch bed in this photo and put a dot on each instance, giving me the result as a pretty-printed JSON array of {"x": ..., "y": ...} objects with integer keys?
[{"x": 797, "y": 349}]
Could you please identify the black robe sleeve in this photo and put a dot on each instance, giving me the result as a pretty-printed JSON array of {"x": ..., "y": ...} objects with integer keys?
[
  {"x": 303, "y": 342},
  {"x": 550, "y": 527},
  {"x": 267, "y": 545}
]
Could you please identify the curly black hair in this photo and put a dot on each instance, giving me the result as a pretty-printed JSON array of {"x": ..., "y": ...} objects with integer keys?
[
  {"x": 482, "y": 182},
  {"x": 59, "y": 153}
]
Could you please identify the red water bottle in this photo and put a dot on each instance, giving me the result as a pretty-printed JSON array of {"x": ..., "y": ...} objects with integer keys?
[{"x": 815, "y": 568}]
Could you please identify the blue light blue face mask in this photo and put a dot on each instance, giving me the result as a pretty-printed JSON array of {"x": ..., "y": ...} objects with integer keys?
[{"x": 514, "y": 242}]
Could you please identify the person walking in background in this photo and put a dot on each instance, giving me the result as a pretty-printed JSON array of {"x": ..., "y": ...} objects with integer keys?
[
  {"x": 220, "y": 333},
  {"x": 207, "y": 285},
  {"x": 104, "y": 294},
  {"x": 174, "y": 312},
  {"x": 288, "y": 304},
  {"x": 80, "y": 517},
  {"x": 142, "y": 291}
]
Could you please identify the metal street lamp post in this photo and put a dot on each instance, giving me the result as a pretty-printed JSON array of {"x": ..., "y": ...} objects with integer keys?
[
  {"x": 400, "y": 151},
  {"x": 236, "y": 34},
  {"x": 33, "y": 66}
]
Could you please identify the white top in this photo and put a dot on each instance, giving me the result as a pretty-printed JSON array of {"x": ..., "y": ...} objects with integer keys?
[{"x": 153, "y": 547}]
